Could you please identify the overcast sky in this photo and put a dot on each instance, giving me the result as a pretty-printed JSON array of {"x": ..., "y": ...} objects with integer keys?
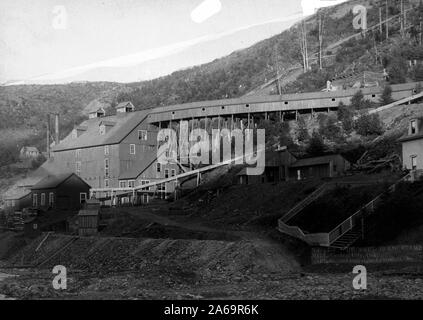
[{"x": 129, "y": 40}]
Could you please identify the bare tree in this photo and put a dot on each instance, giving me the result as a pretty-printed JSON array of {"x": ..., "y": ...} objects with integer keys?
[
  {"x": 303, "y": 45},
  {"x": 321, "y": 26}
]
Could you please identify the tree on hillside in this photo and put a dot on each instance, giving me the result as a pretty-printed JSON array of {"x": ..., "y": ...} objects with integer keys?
[
  {"x": 37, "y": 162},
  {"x": 418, "y": 73},
  {"x": 276, "y": 133},
  {"x": 369, "y": 124},
  {"x": 397, "y": 70},
  {"x": 302, "y": 130},
  {"x": 316, "y": 145},
  {"x": 345, "y": 115},
  {"x": 329, "y": 129},
  {"x": 358, "y": 102},
  {"x": 386, "y": 97}
]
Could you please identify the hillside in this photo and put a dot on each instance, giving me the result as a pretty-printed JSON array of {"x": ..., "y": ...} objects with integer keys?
[{"x": 23, "y": 108}]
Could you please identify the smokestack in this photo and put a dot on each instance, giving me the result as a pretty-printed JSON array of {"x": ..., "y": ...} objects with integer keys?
[
  {"x": 57, "y": 137},
  {"x": 48, "y": 135}
]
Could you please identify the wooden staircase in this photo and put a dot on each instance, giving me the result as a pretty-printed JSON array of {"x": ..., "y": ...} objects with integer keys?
[
  {"x": 304, "y": 203},
  {"x": 347, "y": 239}
]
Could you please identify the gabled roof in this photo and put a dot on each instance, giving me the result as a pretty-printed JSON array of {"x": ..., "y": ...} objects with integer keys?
[
  {"x": 100, "y": 109},
  {"x": 33, "y": 149},
  {"x": 124, "y": 124},
  {"x": 50, "y": 167},
  {"x": 16, "y": 194},
  {"x": 53, "y": 181},
  {"x": 125, "y": 104},
  {"x": 315, "y": 160}
]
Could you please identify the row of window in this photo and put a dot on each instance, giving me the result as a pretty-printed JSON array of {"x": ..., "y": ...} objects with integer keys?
[
  {"x": 107, "y": 149},
  {"x": 166, "y": 171},
  {"x": 129, "y": 183},
  {"x": 43, "y": 199}
]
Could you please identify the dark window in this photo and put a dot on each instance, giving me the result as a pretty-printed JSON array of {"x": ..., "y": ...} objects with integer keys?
[{"x": 413, "y": 126}]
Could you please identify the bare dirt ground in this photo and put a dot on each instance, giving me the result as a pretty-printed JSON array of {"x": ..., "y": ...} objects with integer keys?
[
  {"x": 216, "y": 245},
  {"x": 36, "y": 284}
]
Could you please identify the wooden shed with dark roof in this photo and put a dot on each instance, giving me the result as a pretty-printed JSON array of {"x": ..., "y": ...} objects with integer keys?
[{"x": 65, "y": 191}]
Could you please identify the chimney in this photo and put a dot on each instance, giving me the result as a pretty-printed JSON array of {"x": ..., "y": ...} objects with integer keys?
[
  {"x": 57, "y": 136},
  {"x": 48, "y": 135}
]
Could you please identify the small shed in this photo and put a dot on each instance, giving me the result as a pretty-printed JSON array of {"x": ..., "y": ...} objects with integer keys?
[
  {"x": 327, "y": 166},
  {"x": 17, "y": 199},
  {"x": 29, "y": 153},
  {"x": 65, "y": 191},
  {"x": 88, "y": 218},
  {"x": 276, "y": 168}
]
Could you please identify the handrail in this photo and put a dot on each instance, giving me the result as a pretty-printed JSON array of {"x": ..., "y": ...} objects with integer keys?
[
  {"x": 292, "y": 212},
  {"x": 360, "y": 212}
]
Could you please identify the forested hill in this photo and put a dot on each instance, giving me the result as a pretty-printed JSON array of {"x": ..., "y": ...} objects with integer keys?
[{"x": 23, "y": 108}]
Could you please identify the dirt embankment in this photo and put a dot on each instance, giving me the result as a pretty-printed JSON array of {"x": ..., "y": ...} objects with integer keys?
[{"x": 201, "y": 259}]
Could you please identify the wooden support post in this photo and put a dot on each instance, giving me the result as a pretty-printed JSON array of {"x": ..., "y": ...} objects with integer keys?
[
  {"x": 133, "y": 197},
  {"x": 296, "y": 115},
  {"x": 248, "y": 125},
  {"x": 232, "y": 122},
  {"x": 218, "y": 122}
]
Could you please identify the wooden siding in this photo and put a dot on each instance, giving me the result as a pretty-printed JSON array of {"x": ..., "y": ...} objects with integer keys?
[{"x": 291, "y": 102}]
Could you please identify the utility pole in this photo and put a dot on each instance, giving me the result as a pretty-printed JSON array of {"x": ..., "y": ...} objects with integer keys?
[
  {"x": 380, "y": 22},
  {"x": 57, "y": 136},
  {"x": 387, "y": 22},
  {"x": 48, "y": 136},
  {"x": 320, "y": 41},
  {"x": 402, "y": 17}
]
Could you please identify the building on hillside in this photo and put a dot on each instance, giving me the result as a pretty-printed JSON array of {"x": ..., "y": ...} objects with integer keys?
[
  {"x": 276, "y": 170},
  {"x": 327, "y": 166},
  {"x": 412, "y": 147},
  {"x": 29, "y": 153},
  {"x": 98, "y": 113},
  {"x": 115, "y": 151},
  {"x": 64, "y": 191},
  {"x": 17, "y": 199},
  {"x": 126, "y": 106}
]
